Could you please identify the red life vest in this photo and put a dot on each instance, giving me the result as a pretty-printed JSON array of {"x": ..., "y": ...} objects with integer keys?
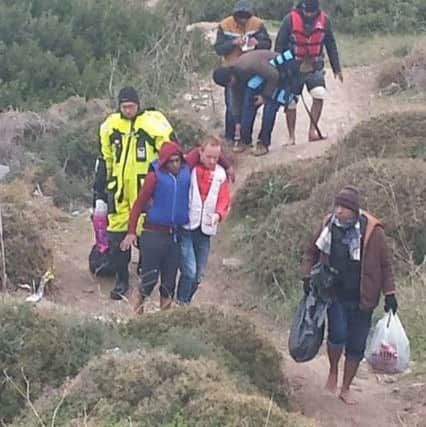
[{"x": 307, "y": 45}]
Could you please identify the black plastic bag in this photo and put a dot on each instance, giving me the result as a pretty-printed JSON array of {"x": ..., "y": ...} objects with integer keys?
[
  {"x": 307, "y": 329},
  {"x": 100, "y": 263}
]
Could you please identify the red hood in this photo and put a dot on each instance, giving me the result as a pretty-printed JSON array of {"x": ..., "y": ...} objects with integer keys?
[{"x": 167, "y": 150}]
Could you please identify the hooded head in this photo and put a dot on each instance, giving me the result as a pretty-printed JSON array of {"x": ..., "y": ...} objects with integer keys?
[
  {"x": 243, "y": 11},
  {"x": 222, "y": 76},
  {"x": 310, "y": 6},
  {"x": 170, "y": 157},
  {"x": 348, "y": 198},
  {"x": 128, "y": 102}
]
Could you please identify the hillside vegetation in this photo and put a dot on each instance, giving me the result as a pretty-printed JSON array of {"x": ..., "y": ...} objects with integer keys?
[
  {"x": 52, "y": 50},
  {"x": 351, "y": 16},
  {"x": 186, "y": 368}
]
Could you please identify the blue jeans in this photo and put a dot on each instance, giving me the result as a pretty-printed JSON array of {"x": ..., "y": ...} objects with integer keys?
[
  {"x": 195, "y": 248},
  {"x": 248, "y": 117},
  {"x": 348, "y": 327},
  {"x": 229, "y": 118}
]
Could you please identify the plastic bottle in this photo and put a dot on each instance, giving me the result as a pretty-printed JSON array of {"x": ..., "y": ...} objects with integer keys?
[{"x": 100, "y": 224}]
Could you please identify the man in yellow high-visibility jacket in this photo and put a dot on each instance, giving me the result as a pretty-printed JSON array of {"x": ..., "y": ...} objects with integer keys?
[{"x": 129, "y": 141}]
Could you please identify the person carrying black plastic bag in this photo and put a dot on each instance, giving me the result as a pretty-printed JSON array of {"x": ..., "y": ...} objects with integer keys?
[{"x": 352, "y": 242}]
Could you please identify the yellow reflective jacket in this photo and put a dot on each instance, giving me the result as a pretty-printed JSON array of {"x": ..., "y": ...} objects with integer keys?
[{"x": 128, "y": 147}]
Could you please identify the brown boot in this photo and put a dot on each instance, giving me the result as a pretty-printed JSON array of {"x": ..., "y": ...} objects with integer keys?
[
  {"x": 139, "y": 299},
  {"x": 165, "y": 303}
]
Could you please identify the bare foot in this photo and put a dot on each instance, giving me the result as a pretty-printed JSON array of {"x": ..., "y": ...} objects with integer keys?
[
  {"x": 291, "y": 141},
  {"x": 316, "y": 137},
  {"x": 347, "y": 397},
  {"x": 331, "y": 384}
]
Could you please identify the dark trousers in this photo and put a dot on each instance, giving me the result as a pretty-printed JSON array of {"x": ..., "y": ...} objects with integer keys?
[
  {"x": 229, "y": 118},
  {"x": 160, "y": 258},
  {"x": 348, "y": 327},
  {"x": 119, "y": 259},
  {"x": 248, "y": 117}
]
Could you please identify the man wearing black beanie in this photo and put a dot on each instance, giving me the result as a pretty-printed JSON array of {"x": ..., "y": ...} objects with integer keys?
[
  {"x": 352, "y": 242},
  {"x": 130, "y": 140}
]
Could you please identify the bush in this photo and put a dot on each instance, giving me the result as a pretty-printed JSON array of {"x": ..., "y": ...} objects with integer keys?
[
  {"x": 208, "y": 333},
  {"x": 406, "y": 73},
  {"x": 351, "y": 16},
  {"x": 396, "y": 135},
  {"x": 51, "y": 51},
  {"x": 118, "y": 387},
  {"x": 44, "y": 349},
  {"x": 193, "y": 355},
  {"x": 394, "y": 190}
]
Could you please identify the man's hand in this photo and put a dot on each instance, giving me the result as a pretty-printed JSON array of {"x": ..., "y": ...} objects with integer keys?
[
  {"x": 391, "y": 303},
  {"x": 127, "y": 242},
  {"x": 230, "y": 174},
  {"x": 258, "y": 100},
  {"x": 214, "y": 219},
  {"x": 339, "y": 76}
]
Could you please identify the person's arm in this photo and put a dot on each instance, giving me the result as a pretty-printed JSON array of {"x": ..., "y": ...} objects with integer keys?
[
  {"x": 105, "y": 148},
  {"x": 282, "y": 42},
  {"x": 311, "y": 254},
  {"x": 141, "y": 203},
  {"x": 263, "y": 39},
  {"x": 223, "y": 201},
  {"x": 224, "y": 44},
  {"x": 388, "y": 284},
  {"x": 331, "y": 47}
]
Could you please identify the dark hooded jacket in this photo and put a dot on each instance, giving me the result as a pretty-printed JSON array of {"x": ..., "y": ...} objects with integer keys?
[{"x": 229, "y": 29}]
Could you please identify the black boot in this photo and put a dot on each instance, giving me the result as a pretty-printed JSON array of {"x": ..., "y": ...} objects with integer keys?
[{"x": 119, "y": 290}]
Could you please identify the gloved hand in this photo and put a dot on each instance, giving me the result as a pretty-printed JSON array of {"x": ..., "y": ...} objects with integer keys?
[
  {"x": 391, "y": 303},
  {"x": 306, "y": 285}
]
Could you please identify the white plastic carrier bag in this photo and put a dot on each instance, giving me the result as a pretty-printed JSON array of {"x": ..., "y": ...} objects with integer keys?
[{"x": 389, "y": 349}]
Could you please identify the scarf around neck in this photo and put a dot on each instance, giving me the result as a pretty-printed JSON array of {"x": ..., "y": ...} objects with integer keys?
[{"x": 351, "y": 238}]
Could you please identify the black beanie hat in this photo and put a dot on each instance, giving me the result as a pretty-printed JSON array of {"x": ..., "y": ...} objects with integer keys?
[
  {"x": 311, "y": 5},
  {"x": 348, "y": 197},
  {"x": 222, "y": 75},
  {"x": 128, "y": 94}
]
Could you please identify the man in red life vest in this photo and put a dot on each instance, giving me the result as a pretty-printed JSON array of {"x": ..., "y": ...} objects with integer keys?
[{"x": 306, "y": 30}]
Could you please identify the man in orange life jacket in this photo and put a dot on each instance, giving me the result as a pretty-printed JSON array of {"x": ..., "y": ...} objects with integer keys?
[
  {"x": 306, "y": 30},
  {"x": 239, "y": 33}
]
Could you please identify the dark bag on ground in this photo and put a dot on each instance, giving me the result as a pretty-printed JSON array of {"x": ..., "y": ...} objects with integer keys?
[
  {"x": 100, "y": 263},
  {"x": 307, "y": 329}
]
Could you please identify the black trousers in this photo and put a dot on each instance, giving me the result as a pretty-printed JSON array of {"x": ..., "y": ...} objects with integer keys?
[
  {"x": 160, "y": 258},
  {"x": 119, "y": 259}
]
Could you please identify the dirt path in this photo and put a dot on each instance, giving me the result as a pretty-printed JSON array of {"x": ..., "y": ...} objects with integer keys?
[{"x": 77, "y": 288}]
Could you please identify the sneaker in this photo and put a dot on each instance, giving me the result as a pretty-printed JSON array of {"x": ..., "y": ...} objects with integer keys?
[
  {"x": 239, "y": 147},
  {"x": 260, "y": 150}
]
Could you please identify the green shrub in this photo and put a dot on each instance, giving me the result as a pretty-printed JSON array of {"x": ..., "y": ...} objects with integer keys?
[
  {"x": 396, "y": 135},
  {"x": 351, "y": 16},
  {"x": 197, "y": 333},
  {"x": 44, "y": 349},
  {"x": 151, "y": 388}
]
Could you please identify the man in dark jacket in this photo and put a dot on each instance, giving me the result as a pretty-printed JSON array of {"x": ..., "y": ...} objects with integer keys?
[
  {"x": 353, "y": 243},
  {"x": 239, "y": 33},
  {"x": 255, "y": 78},
  {"x": 306, "y": 30}
]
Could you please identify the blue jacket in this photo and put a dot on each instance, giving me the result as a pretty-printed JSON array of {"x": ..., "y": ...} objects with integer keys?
[{"x": 170, "y": 205}]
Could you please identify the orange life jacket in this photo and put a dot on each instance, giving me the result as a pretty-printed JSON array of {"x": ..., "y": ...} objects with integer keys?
[{"x": 307, "y": 45}]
